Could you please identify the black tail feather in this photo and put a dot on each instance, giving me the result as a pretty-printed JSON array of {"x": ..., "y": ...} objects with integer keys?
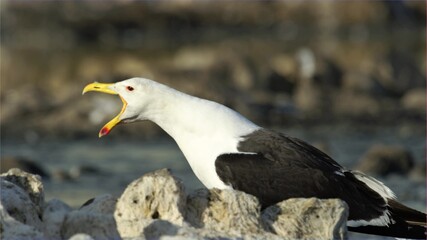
[
  {"x": 400, "y": 229},
  {"x": 408, "y": 223},
  {"x": 409, "y": 215}
]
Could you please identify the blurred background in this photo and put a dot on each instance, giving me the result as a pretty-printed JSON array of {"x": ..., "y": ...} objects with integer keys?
[{"x": 346, "y": 76}]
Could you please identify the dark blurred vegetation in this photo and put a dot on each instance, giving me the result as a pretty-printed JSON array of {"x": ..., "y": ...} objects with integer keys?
[{"x": 278, "y": 63}]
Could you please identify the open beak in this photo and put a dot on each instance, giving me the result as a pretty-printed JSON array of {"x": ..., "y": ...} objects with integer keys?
[{"x": 106, "y": 88}]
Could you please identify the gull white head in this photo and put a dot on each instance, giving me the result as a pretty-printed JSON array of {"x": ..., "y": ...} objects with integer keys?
[{"x": 136, "y": 95}]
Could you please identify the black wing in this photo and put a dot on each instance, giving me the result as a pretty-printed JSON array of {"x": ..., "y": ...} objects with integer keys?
[{"x": 282, "y": 167}]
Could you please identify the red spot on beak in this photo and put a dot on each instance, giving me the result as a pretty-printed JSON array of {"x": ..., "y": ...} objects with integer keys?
[{"x": 104, "y": 131}]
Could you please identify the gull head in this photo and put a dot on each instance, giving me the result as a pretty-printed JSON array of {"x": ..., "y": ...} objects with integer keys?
[{"x": 135, "y": 93}]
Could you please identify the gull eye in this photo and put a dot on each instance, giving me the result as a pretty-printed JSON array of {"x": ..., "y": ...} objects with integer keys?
[{"x": 129, "y": 88}]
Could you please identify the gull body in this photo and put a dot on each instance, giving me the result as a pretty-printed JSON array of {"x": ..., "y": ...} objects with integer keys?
[{"x": 227, "y": 151}]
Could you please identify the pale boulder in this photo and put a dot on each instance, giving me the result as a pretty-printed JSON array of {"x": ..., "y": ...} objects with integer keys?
[
  {"x": 156, "y": 195},
  {"x": 104, "y": 204},
  {"x": 98, "y": 226},
  {"x": 307, "y": 218},
  {"x": 18, "y": 204},
  {"x": 228, "y": 211},
  {"x": 53, "y": 216},
  {"x": 15, "y": 230},
  {"x": 30, "y": 183}
]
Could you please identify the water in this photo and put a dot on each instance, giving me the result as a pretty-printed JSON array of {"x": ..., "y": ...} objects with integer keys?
[{"x": 121, "y": 161}]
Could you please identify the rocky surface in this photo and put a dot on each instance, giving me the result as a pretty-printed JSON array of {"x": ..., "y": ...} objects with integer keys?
[
  {"x": 105, "y": 204},
  {"x": 157, "y": 195},
  {"x": 156, "y": 206},
  {"x": 96, "y": 225},
  {"x": 299, "y": 218},
  {"x": 10, "y": 228},
  {"x": 228, "y": 211},
  {"x": 54, "y": 214},
  {"x": 415, "y": 101},
  {"x": 29, "y": 183},
  {"x": 418, "y": 173},
  {"x": 19, "y": 206}
]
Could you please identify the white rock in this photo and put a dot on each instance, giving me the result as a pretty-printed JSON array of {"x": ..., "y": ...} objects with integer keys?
[
  {"x": 53, "y": 216},
  {"x": 232, "y": 212},
  {"x": 104, "y": 204},
  {"x": 156, "y": 195},
  {"x": 308, "y": 218},
  {"x": 158, "y": 228},
  {"x": 11, "y": 229},
  {"x": 415, "y": 100},
  {"x": 30, "y": 183},
  {"x": 81, "y": 236},
  {"x": 225, "y": 214},
  {"x": 100, "y": 226},
  {"x": 18, "y": 204}
]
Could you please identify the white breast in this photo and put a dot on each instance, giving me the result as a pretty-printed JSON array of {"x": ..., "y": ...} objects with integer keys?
[
  {"x": 201, "y": 155},
  {"x": 204, "y": 130}
]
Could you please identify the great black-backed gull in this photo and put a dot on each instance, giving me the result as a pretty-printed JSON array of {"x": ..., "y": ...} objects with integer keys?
[{"x": 227, "y": 151}]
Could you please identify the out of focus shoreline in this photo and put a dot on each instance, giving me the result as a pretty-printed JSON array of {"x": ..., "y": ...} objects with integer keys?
[{"x": 281, "y": 64}]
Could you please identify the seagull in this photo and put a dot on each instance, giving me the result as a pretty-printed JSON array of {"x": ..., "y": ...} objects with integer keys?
[{"x": 227, "y": 151}]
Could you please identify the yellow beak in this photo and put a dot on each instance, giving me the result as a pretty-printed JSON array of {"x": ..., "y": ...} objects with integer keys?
[
  {"x": 105, "y": 88},
  {"x": 99, "y": 87}
]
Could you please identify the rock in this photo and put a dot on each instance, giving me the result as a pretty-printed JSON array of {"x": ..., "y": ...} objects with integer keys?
[
  {"x": 78, "y": 171},
  {"x": 166, "y": 230},
  {"x": 355, "y": 104},
  {"x": 318, "y": 82},
  {"x": 311, "y": 99},
  {"x": 384, "y": 160},
  {"x": 80, "y": 236},
  {"x": 278, "y": 83},
  {"x": 104, "y": 204},
  {"x": 53, "y": 216},
  {"x": 75, "y": 173},
  {"x": 228, "y": 211},
  {"x": 194, "y": 58},
  {"x": 398, "y": 74},
  {"x": 322, "y": 70},
  {"x": 156, "y": 195},
  {"x": 30, "y": 183},
  {"x": 415, "y": 100},
  {"x": 155, "y": 206},
  {"x": 311, "y": 218},
  {"x": 18, "y": 204},
  {"x": 363, "y": 83},
  {"x": 159, "y": 228},
  {"x": 418, "y": 173},
  {"x": 26, "y": 165},
  {"x": 14, "y": 230},
  {"x": 285, "y": 65},
  {"x": 61, "y": 175},
  {"x": 98, "y": 226},
  {"x": 15, "y": 107},
  {"x": 242, "y": 74},
  {"x": 306, "y": 60},
  {"x": 219, "y": 213}
]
